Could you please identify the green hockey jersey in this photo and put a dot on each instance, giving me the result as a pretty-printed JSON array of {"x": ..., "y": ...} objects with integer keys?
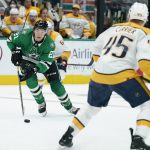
[{"x": 42, "y": 52}]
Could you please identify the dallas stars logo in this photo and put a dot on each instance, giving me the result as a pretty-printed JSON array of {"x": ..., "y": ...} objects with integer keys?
[{"x": 33, "y": 49}]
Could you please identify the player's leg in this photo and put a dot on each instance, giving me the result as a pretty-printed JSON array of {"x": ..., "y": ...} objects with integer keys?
[
  {"x": 41, "y": 79},
  {"x": 137, "y": 94},
  {"x": 58, "y": 88},
  {"x": 98, "y": 96},
  {"x": 36, "y": 92},
  {"x": 142, "y": 128}
]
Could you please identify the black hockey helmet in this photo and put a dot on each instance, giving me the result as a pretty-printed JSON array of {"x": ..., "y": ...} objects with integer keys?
[{"x": 41, "y": 25}]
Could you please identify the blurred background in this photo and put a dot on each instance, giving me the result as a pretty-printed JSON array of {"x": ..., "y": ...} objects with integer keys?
[{"x": 101, "y": 13}]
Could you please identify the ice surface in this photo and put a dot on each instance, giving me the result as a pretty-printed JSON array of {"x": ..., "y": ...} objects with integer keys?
[{"x": 109, "y": 130}]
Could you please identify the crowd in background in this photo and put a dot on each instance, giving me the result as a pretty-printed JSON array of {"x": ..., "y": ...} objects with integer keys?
[
  {"x": 74, "y": 24},
  {"x": 24, "y": 14}
]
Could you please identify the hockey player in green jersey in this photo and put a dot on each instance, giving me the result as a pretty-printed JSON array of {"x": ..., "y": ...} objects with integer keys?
[{"x": 32, "y": 50}]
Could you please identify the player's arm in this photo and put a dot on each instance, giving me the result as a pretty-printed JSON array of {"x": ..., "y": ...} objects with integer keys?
[
  {"x": 27, "y": 68},
  {"x": 13, "y": 41},
  {"x": 14, "y": 44},
  {"x": 144, "y": 66},
  {"x": 143, "y": 55},
  {"x": 62, "y": 49},
  {"x": 66, "y": 55},
  {"x": 46, "y": 58}
]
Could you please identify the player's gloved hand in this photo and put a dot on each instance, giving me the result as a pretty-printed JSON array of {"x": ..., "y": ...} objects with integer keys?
[
  {"x": 16, "y": 57},
  {"x": 62, "y": 64},
  {"x": 27, "y": 70}
]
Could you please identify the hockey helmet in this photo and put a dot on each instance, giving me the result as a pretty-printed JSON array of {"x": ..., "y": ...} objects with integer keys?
[
  {"x": 41, "y": 25},
  {"x": 138, "y": 11},
  {"x": 33, "y": 13},
  {"x": 14, "y": 11}
]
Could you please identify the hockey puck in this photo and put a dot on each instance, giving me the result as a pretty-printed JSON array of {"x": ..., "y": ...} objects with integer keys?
[{"x": 26, "y": 120}]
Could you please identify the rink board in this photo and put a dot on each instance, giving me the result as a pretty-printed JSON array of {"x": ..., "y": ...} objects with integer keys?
[
  {"x": 81, "y": 52},
  {"x": 70, "y": 79}
]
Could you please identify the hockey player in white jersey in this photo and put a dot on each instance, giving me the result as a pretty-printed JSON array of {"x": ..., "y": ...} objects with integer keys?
[{"x": 120, "y": 49}]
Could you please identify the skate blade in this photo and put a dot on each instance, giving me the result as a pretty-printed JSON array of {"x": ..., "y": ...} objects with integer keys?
[
  {"x": 44, "y": 114},
  {"x": 63, "y": 147}
]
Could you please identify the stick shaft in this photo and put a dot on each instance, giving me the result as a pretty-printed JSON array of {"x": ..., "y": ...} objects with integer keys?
[
  {"x": 20, "y": 92},
  {"x": 89, "y": 64}
]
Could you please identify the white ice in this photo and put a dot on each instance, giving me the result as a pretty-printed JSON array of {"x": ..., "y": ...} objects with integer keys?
[{"x": 109, "y": 130}]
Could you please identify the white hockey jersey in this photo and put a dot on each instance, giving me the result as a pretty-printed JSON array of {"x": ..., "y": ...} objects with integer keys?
[
  {"x": 8, "y": 26},
  {"x": 61, "y": 48},
  {"x": 120, "y": 48},
  {"x": 79, "y": 25}
]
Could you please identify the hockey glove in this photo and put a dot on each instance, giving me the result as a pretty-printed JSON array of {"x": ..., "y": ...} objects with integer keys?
[
  {"x": 62, "y": 64},
  {"x": 27, "y": 70},
  {"x": 16, "y": 57}
]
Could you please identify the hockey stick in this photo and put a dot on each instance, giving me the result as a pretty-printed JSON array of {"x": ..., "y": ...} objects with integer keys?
[
  {"x": 145, "y": 79},
  {"x": 36, "y": 62},
  {"x": 20, "y": 92},
  {"x": 21, "y": 98},
  {"x": 89, "y": 64}
]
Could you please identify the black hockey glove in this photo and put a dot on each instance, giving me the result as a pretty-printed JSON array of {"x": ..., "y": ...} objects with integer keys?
[
  {"x": 62, "y": 64},
  {"x": 27, "y": 70},
  {"x": 16, "y": 57}
]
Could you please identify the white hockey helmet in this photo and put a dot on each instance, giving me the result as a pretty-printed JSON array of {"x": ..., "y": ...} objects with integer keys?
[
  {"x": 14, "y": 11},
  {"x": 138, "y": 11},
  {"x": 33, "y": 13}
]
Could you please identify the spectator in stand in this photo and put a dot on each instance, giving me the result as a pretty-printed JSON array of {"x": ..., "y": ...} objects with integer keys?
[
  {"x": 11, "y": 4},
  {"x": 45, "y": 17},
  {"x": 74, "y": 25},
  {"x": 92, "y": 25},
  {"x": 12, "y": 23},
  {"x": 28, "y": 7},
  {"x": 32, "y": 18},
  {"x": 53, "y": 12}
]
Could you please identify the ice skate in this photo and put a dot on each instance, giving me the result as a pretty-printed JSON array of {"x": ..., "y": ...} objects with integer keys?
[
  {"x": 73, "y": 110},
  {"x": 42, "y": 109},
  {"x": 138, "y": 142},
  {"x": 66, "y": 140}
]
